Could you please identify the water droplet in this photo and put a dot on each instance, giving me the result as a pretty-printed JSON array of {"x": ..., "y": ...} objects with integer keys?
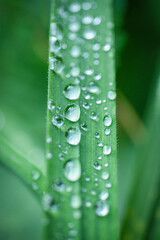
[
  {"x": 105, "y": 175},
  {"x": 75, "y": 71},
  {"x": 89, "y": 71},
  {"x": 89, "y": 34},
  {"x": 101, "y": 208},
  {"x": 86, "y": 6},
  {"x": 72, "y": 112},
  {"x": 106, "y": 47},
  {"x": 86, "y": 105},
  {"x": 59, "y": 186},
  {"x": 84, "y": 127},
  {"x": 93, "y": 192},
  {"x": 75, "y": 51},
  {"x": 35, "y": 175},
  {"x": 93, "y": 87},
  {"x": 55, "y": 45},
  {"x": 72, "y": 36},
  {"x": 108, "y": 185},
  {"x": 96, "y": 47},
  {"x": 75, "y": 201},
  {"x": 87, "y": 19},
  {"x": 97, "y": 21},
  {"x": 73, "y": 136},
  {"x": 106, "y": 150},
  {"x": 93, "y": 115},
  {"x": 88, "y": 203},
  {"x": 56, "y": 64},
  {"x": 112, "y": 95},
  {"x": 72, "y": 170},
  {"x": 103, "y": 195},
  {"x": 97, "y": 76},
  {"x": 100, "y": 144},
  {"x": 74, "y": 26},
  {"x": 97, "y": 166},
  {"x": 98, "y": 101},
  {"x": 72, "y": 92},
  {"x": 56, "y": 31},
  {"x": 51, "y": 104},
  {"x": 86, "y": 95},
  {"x": 57, "y": 120},
  {"x": 75, "y": 7},
  {"x": 107, "y": 131},
  {"x": 107, "y": 120},
  {"x": 97, "y": 135},
  {"x": 77, "y": 214},
  {"x": 87, "y": 179}
]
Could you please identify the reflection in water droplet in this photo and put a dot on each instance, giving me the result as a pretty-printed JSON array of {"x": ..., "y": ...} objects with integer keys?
[
  {"x": 73, "y": 136},
  {"x": 101, "y": 208},
  {"x": 72, "y": 112},
  {"x": 72, "y": 91},
  {"x": 57, "y": 120}
]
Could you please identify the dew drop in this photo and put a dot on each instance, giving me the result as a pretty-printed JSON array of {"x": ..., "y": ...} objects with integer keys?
[
  {"x": 107, "y": 131},
  {"x": 89, "y": 34},
  {"x": 73, "y": 135},
  {"x": 101, "y": 208},
  {"x": 75, "y": 201},
  {"x": 89, "y": 71},
  {"x": 106, "y": 47},
  {"x": 86, "y": 105},
  {"x": 97, "y": 76},
  {"x": 105, "y": 175},
  {"x": 103, "y": 195},
  {"x": 84, "y": 127},
  {"x": 72, "y": 112},
  {"x": 54, "y": 44},
  {"x": 75, "y": 51},
  {"x": 35, "y": 175},
  {"x": 86, "y": 6},
  {"x": 57, "y": 120},
  {"x": 87, "y": 19},
  {"x": 77, "y": 214},
  {"x": 72, "y": 91},
  {"x": 56, "y": 31},
  {"x": 107, "y": 120},
  {"x": 97, "y": 135},
  {"x": 72, "y": 170},
  {"x": 74, "y": 26},
  {"x": 108, "y": 185},
  {"x": 97, "y": 166},
  {"x": 96, "y": 47},
  {"x": 93, "y": 87},
  {"x": 51, "y": 104},
  {"x": 88, "y": 204},
  {"x": 93, "y": 115},
  {"x": 75, "y": 71},
  {"x": 112, "y": 95},
  {"x": 56, "y": 64},
  {"x": 75, "y": 7},
  {"x": 106, "y": 150}
]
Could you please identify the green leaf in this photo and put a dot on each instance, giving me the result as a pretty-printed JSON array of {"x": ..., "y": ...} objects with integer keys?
[{"x": 81, "y": 79}]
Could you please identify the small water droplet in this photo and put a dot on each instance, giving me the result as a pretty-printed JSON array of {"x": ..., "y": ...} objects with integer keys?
[
  {"x": 101, "y": 208},
  {"x": 55, "y": 45},
  {"x": 105, "y": 175},
  {"x": 86, "y": 105},
  {"x": 87, "y": 19},
  {"x": 77, "y": 214},
  {"x": 74, "y": 26},
  {"x": 100, "y": 144},
  {"x": 97, "y": 76},
  {"x": 103, "y": 195},
  {"x": 108, "y": 185},
  {"x": 75, "y": 201},
  {"x": 93, "y": 87},
  {"x": 97, "y": 166},
  {"x": 75, "y": 71},
  {"x": 75, "y": 7},
  {"x": 89, "y": 71},
  {"x": 107, "y": 120},
  {"x": 89, "y": 34},
  {"x": 93, "y": 116},
  {"x": 75, "y": 51},
  {"x": 106, "y": 150},
  {"x": 86, "y": 6},
  {"x": 97, "y": 21},
  {"x": 73, "y": 135},
  {"x": 35, "y": 175},
  {"x": 88, "y": 203},
  {"x": 98, "y": 101},
  {"x": 97, "y": 135},
  {"x": 56, "y": 31},
  {"x": 72, "y": 112},
  {"x": 84, "y": 127},
  {"x": 57, "y": 120},
  {"x": 51, "y": 104},
  {"x": 72, "y": 91},
  {"x": 106, "y": 47},
  {"x": 59, "y": 186},
  {"x": 56, "y": 64},
  {"x": 112, "y": 95},
  {"x": 107, "y": 131}
]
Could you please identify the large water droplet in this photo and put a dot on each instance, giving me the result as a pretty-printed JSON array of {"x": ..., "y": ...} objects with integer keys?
[
  {"x": 72, "y": 112},
  {"x": 56, "y": 64},
  {"x": 106, "y": 150},
  {"x": 57, "y": 120},
  {"x": 72, "y": 92},
  {"x": 73, "y": 136},
  {"x": 72, "y": 170},
  {"x": 101, "y": 208},
  {"x": 107, "y": 120},
  {"x": 55, "y": 45},
  {"x": 103, "y": 195}
]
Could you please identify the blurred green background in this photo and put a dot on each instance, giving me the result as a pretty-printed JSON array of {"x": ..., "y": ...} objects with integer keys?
[{"x": 23, "y": 93}]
